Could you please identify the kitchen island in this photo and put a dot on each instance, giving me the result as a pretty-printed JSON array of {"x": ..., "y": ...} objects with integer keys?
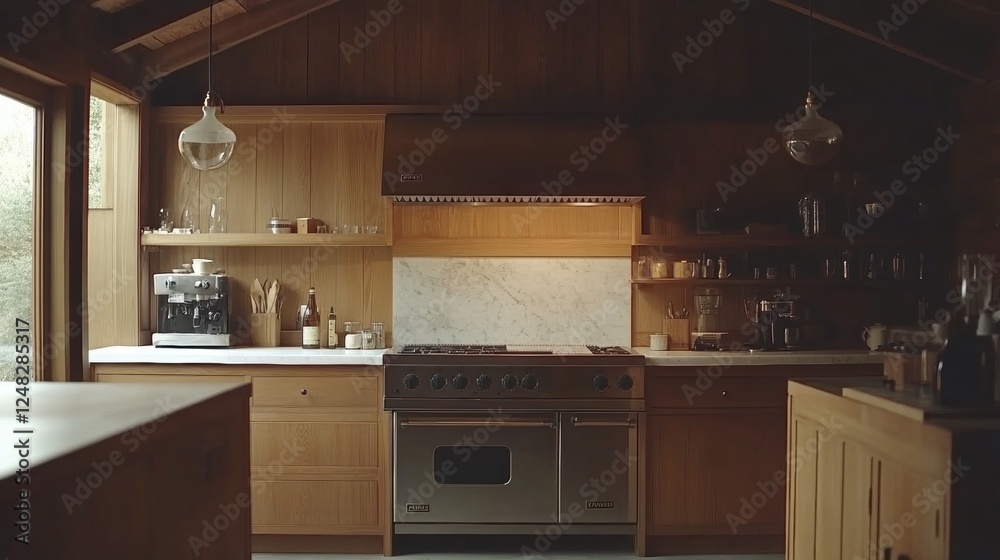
[
  {"x": 165, "y": 466},
  {"x": 874, "y": 473}
]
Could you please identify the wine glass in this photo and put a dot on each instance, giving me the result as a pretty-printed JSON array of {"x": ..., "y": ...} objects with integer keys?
[
  {"x": 217, "y": 216},
  {"x": 166, "y": 221}
]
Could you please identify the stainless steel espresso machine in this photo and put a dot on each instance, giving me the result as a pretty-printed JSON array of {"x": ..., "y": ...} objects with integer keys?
[{"x": 192, "y": 310}]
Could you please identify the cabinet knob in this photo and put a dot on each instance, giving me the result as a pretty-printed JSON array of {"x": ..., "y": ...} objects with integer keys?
[
  {"x": 304, "y": 391},
  {"x": 725, "y": 394}
]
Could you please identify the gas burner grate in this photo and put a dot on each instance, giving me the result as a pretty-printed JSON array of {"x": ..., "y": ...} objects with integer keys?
[{"x": 453, "y": 349}]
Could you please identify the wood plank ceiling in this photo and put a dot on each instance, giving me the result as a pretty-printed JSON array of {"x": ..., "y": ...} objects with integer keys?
[{"x": 956, "y": 36}]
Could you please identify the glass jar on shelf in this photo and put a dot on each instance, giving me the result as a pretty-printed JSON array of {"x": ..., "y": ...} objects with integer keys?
[
  {"x": 659, "y": 268},
  {"x": 643, "y": 268}
]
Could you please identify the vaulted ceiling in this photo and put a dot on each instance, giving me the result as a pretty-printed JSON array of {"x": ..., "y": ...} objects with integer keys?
[{"x": 956, "y": 36}]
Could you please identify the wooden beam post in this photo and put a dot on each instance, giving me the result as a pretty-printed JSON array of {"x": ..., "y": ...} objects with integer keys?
[
  {"x": 127, "y": 28},
  {"x": 231, "y": 32}
]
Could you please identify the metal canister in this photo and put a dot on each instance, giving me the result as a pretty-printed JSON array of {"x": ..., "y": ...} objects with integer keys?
[{"x": 379, "y": 330}]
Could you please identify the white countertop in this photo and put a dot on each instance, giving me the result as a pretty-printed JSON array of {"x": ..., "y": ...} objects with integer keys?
[
  {"x": 800, "y": 357},
  {"x": 293, "y": 356},
  {"x": 290, "y": 356}
]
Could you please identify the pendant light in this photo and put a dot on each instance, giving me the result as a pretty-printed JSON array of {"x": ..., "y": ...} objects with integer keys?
[
  {"x": 208, "y": 144},
  {"x": 812, "y": 140}
]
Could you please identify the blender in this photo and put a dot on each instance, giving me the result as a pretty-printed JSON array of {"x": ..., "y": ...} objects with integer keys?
[{"x": 708, "y": 335}]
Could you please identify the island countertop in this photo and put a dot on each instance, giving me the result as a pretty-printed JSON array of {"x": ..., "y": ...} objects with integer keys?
[
  {"x": 800, "y": 357},
  {"x": 285, "y": 355}
]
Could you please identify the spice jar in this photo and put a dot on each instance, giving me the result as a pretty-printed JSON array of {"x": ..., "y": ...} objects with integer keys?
[
  {"x": 659, "y": 269},
  {"x": 642, "y": 270}
]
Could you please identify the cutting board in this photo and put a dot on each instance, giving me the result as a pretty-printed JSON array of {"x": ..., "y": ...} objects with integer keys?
[{"x": 907, "y": 403}]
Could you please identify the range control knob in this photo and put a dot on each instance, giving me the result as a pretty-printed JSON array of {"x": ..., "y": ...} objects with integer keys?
[
  {"x": 529, "y": 382},
  {"x": 460, "y": 381},
  {"x": 438, "y": 382},
  {"x": 509, "y": 382},
  {"x": 625, "y": 382},
  {"x": 411, "y": 381},
  {"x": 484, "y": 382},
  {"x": 601, "y": 383}
]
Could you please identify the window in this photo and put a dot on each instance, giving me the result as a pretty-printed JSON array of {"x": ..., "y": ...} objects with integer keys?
[
  {"x": 99, "y": 112},
  {"x": 18, "y": 180}
]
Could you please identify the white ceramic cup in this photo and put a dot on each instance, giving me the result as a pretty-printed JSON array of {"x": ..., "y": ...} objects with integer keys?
[
  {"x": 659, "y": 342},
  {"x": 352, "y": 341},
  {"x": 202, "y": 266},
  {"x": 874, "y": 336}
]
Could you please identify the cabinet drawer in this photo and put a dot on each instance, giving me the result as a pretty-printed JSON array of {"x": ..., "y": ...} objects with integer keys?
[
  {"x": 346, "y": 391},
  {"x": 314, "y": 444},
  {"x": 315, "y": 507},
  {"x": 694, "y": 392}
]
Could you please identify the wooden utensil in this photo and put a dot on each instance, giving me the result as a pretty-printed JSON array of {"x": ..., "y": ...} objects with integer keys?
[
  {"x": 257, "y": 296},
  {"x": 272, "y": 297}
]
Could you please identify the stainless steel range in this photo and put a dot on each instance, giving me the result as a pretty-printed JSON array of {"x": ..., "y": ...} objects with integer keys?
[{"x": 514, "y": 439}]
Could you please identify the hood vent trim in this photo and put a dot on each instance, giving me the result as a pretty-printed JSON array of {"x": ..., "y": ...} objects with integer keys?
[{"x": 606, "y": 200}]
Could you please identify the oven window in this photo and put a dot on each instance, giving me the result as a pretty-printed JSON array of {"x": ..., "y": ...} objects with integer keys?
[{"x": 459, "y": 464}]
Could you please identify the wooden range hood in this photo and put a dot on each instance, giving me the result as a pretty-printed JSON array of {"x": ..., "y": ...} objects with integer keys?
[{"x": 494, "y": 159}]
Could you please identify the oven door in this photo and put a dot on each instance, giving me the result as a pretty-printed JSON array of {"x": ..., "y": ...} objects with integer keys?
[
  {"x": 475, "y": 468},
  {"x": 598, "y": 482}
]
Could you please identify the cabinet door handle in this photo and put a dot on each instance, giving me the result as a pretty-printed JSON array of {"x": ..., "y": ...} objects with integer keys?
[
  {"x": 725, "y": 394},
  {"x": 304, "y": 391}
]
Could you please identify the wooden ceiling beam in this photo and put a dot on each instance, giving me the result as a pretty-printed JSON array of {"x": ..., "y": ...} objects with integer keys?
[
  {"x": 921, "y": 36},
  {"x": 127, "y": 28},
  {"x": 231, "y": 32}
]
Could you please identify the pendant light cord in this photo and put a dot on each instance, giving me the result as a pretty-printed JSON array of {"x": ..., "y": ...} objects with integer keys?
[
  {"x": 810, "y": 44},
  {"x": 211, "y": 43}
]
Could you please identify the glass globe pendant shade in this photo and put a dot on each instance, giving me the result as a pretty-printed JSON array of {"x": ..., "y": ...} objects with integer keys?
[
  {"x": 812, "y": 140},
  {"x": 207, "y": 144}
]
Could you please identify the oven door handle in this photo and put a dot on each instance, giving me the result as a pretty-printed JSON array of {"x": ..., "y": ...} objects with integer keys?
[
  {"x": 630, "y": 423},
  {"x": 479, "y": 423}
]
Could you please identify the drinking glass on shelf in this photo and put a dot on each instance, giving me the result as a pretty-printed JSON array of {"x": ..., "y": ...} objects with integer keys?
[
  {"x": 166, "y": 221},
  {"x": 351, "y": 228},
  {"x": 322, "y": 229},
  {"x": 187, "y": 219},
  {"x": 371, "y": 230},
  {"x": 217, "y": 216}
]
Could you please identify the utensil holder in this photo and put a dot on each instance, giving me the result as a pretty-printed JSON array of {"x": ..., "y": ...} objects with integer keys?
[
  {"x": 679, "y": 332},
  {"x": 265, "y": 329}
]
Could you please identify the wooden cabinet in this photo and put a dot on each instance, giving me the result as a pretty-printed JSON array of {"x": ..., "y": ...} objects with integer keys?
[
  {"x": 880, "y": 483},
  {"x": 318, "y": 460},
  {"x": 715, "y": 456}
]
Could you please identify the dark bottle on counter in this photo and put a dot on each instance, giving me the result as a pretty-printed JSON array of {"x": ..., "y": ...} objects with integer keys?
[
  {"x": 310, "y": 322},
  {"x": 966, "y": 367}
]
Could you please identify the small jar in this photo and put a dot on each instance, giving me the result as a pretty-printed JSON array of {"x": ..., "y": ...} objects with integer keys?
[
  {"x": 351, "y": 327},
  {"x": 659, "y": 269},
  {"x": 368, "y": 339},
  {"x": 642, "y": 268},
  {"x": 379, "y": 329}
]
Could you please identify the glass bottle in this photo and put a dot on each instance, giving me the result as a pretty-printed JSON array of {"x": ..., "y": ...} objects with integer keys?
[
  {"x": 310, "y": 322},
  {"x": 331, "y": 330},
  {"x": 217, "y": 216}
]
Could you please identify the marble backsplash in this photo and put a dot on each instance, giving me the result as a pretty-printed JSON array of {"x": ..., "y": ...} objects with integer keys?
[{"x": 519, "y": 300}]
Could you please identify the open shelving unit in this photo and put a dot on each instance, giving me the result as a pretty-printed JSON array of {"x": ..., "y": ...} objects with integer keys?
[{"x": 263, "y": 240}]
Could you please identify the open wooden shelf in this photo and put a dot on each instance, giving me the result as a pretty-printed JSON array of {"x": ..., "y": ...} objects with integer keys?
[
  {"x": 753, "y": 242},
  {"x": 263, "y": 240},
  {"x": 882, "y": 284}
]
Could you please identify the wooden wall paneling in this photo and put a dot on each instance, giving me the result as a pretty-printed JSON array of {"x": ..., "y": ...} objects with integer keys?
[
  {"x": 241, "y": 188},
  {"x": 477, "y": 221},
  {"x": 475, "y": 51},
  {"x": 127, "y": 225},
  {"x": 441, "y": 31},
  {"x": 350, "y": 279},
  {"x": 324, "y": 54},
  {"x": 268, "y": 163},
  {"x": 380, "y": 55},
  {"x": 378, "y": 287},
  {"x": 101, "y": 238},
  {"x": 369, "y": 171},
  {"x": 294, "y": 66},
  {"x": 614, "y": 61},
  {"x": 352, "y": 70},
  {"x": 297, "y": 187},
  {"x": 330, "y": 187},
  {"x": 407, "y": 53}
]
